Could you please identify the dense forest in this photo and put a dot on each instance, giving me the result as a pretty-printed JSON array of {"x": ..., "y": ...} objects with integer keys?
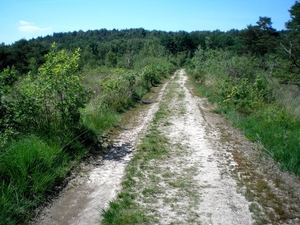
[
  {"x": 60, "y": 92},
  {"x": 120, "y": 48}
]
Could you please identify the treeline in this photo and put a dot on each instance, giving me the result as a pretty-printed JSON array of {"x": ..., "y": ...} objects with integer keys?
[
  {"x": 120, "y": 48},
  {"x": 114, "y": 48}
]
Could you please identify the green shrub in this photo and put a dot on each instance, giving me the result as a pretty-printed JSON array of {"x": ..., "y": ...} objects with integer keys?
[
  {"x": 52, "y": 98},
  {"x": 116, "y": 92},
  {"x": 7, "y": 116},
  {"x": 240, "y": 87},
  {"x": 245, "y": 96}
]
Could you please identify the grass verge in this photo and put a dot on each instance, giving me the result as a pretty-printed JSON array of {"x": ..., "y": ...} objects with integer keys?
[
  {"x": 29, "y": 168},
  {"x": 271, "y": 124}
]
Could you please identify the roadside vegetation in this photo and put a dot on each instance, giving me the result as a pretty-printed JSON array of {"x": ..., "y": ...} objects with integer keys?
[
  {"x": 59, "y": 93},
  {"x": 52, "y": 117},
  {"x": 256, "y": 92}
]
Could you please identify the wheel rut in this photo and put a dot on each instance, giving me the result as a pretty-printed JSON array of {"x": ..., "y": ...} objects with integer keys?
[{"x": 209, "y": 173}]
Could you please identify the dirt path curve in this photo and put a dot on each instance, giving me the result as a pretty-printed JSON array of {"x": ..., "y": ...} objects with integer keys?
[{"x": 209, "y": 173}]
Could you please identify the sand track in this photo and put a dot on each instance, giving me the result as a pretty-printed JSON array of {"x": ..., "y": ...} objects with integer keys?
[{"x": 206, "y": 177}]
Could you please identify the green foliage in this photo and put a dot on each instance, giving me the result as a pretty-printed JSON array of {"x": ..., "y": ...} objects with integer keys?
[
  {"x": 290, "y": 43},
  {"x": 7, "y": 78},
  {"x": 116, "y": 91},
  {"x": 111, "y": 59},
  {"x": 7, "y": 123},
  {"x": 178, "y": 42},
  {"x": 294, "y": 23},
  {"x": 114, "y": 48},
  {"x": 123, "y": 211},
  {"x": 121, "y": 89},
  {"x": 245, "y": 96},
  {"x": 50, "y": 110},
  {"x": 223, "y": 64},
  {"x": 259, "y": 39},
  {"x": 240, "y": 87},
  {"x": 150, "y": 76},
  {"x": 46, "y": 106},
  {"x": 278, "y": 130},
  {"x": 284, "y": 71},
  {"x": 237, "y": 81},
  {"x": 28, "y": 168},
  {"x": 53, "y": 96},
  {"x": 97, "y": 117}
]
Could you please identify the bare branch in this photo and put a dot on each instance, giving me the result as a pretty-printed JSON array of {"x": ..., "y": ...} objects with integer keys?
[{"x": 289, "y": 51}]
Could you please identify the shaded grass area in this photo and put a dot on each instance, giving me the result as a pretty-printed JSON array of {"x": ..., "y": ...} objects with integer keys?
[
  {"x": 278, "y": 131},
  {"x": 33, "y": 168}
]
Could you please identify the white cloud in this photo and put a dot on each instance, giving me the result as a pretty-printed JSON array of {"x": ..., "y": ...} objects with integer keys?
[
  {"x": 22, "y": 22},
  {"x": 29, "y": 27}
]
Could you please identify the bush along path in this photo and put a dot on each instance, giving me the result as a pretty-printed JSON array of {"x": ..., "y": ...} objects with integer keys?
[
  {"x": 97, "y": 180},
  {"x": 176, "y": 162},
  {"x": 192, "y": 167}
]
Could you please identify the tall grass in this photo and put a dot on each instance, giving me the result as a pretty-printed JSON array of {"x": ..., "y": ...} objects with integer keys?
[
  {"x": 278, "y": 130},
  {"x": 120, "y": 90},
  {"x": 98, "y": 117},
  {"x": 29, "y": 168}
]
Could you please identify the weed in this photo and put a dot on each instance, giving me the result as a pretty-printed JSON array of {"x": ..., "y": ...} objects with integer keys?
[
  {"x": 181, "y": 96},
  {"x": 98, "y": 118},
  {"x": 167, "y": 123},
  {"x": 123, "y": 211}
]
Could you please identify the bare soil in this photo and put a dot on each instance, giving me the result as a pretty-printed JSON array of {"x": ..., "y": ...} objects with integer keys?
[{"x": 211, "y": 174}]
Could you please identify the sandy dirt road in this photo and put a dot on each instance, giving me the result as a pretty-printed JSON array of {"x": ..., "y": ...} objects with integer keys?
[
  {"x": 98, "y": 180},
  {"x": 210, "y": 173}
]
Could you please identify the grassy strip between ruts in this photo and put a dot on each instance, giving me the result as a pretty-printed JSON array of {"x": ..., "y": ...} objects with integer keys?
[{"x": 124, "y": 209}]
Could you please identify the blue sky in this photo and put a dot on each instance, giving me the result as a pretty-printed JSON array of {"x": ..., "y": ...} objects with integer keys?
[{"x": 32, "y": 18}]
